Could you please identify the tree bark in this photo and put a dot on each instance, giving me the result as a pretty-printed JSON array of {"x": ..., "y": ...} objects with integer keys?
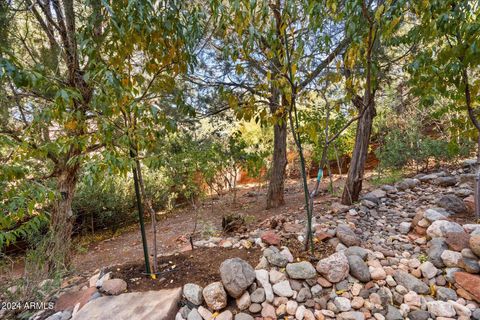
[
  {"x": 277, "y": 175},
  {"x": 356, "y": 171}
]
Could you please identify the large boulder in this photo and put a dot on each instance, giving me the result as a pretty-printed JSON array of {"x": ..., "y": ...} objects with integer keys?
[
  {"x": 335, "y": 268},
  {"x": 347, "y": 236},
  {"x": 301, "y": 270},
  {"x": 215, "y": 296},
  {"x": 452, "y": 203},
  {"x": 457, "y": 241},
  {"x": 410, "y": 282},
  {"x": 440, "y": 228},
  {"x": 237, "y": 275}
]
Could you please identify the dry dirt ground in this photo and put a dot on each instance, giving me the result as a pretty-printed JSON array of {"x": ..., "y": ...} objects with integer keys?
[{"x": 174, "y": 228}]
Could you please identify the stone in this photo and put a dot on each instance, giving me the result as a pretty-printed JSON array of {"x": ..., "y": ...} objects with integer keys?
[
  {"x": 437, "y": 246},
  {"x": 274, "y": 257},
  {"x": 258, "y": 296},
  {"x": 358, "y": 268},
  {"x": 433, "y": 215},
  {"x": 474, "y": 243},
  {"x": 393, "y": 313},
  {"x": 461, "y": 310},
  {"x": 193, "y": 293},
  {"x": 410, "y": 282},
  {"x": 445, "y": 294},
  {"x": 225, "y": 315},
  {"x": 300, "y": 313},
  {"x": 470, "y": 283},
  {"x": 301, "y": 270},
  {"x": 419, "y": 315},
  {"x": 404, "y": 227},
  {"x": 114, "y": 286},
  {"x": 243, "y": 316},
  {"x": 244, "y": 301},
  {"x": 377, "y": 273},
  {"x": 237, "y": 275},
  {"x": 351, "y": 315},
  {"x": 194, "y": 315},
  {"x": 407, "y": 183},
  {"x": 215, "y": 296},
  {"x": 451, "y": 258},
  {"x": 205, "y": 313},
  {"x": 440, "y": 228},
  {"x": 68, "y": 300},
  {"x": 441, "y": 309},
  {"x": 347, "y": 236},
  {"x": 255, "y": 308},
  {"x": 262, "y": 279},
  {"x": 271, "y": 238},
  {"x": 153, "y": 305},
  {"x": 470, "y": 265},
  {"x": 303, "y": 295},
  {"x": 428, "y": 270},
  {"x": 291, "y": 307},
  {"x": 357, "y": 302},
  {"x": 334, "y": 268},
  {"x": 276, "y": 276},
  {"x": 343, "y": 304},
  {"x": 457, "y": 241},
  {"x": 283, "y": 289},
  {"x": 358, "y": 251},
  {"x": 268, "y": 311},
  {"x": 452, "y": 203},
  {"x": 470, "y": 204}
]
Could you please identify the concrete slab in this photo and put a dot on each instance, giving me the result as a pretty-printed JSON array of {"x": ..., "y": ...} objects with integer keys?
[{"x": 152, "y": 305}]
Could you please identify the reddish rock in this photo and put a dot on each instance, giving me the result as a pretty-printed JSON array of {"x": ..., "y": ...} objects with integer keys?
[
  {"x": 470, "y": 203},
  {"x": 420, "y": 231},
  {"x": 324, "y": 282},
  {"x": 68, "y": 300},
  {"x": 321, "y": 236},
  {"x": 470, "y": 283},
  {"x": 292, "y": 227},
  {"x": 418, "y": 217},
  {"x": 457, "y": 241},
  {"x": 464, "y": 294},
  {"x": 271, "y": 238}
]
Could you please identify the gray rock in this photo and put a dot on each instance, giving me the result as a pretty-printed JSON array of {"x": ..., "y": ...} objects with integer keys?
[
  {"x": 407, "y": 184},
  {"x": 410, "y": 282},
  {"x": 437, "y": 246},
  {"x": 451, "y": 258},
  {"x": 440, "y": 228},
  {"x": 274, "y": 257},
  {"x": 441, "y": 309},
  {"x": 434, "y": 215},
  {"x": 476, "y": 314},
  {"x": 301, "y": 270},
  {"x": 237, "y": 275},
  {"x": 334, "y": 268},
  {"x": 283, "y": 289},
  {"x": 303, "y": 295},
  {"x": 194, "y": 315},
  {"x": 419, "y": 315},
  {"x": 358, "y": 251},
  {"x": 258, "y": 296},
  {"x": 193, "y": 293},
  {"x": 215, "y": 296},
  {"x": 358, "y": 268},
  {"x": 347, "y": 236},
  {"x": 351, "y": 315},
  {"x": 452, "y": 203},
  {"x": 114, "y": 286},
  {"x": 446, "y": 181},
  {"x": 393, "y": 313},
  {"x": 255, "y": 308},
  {"x": 446, "y": 294},
  {"x": 243, "y": 316},
  {"x": 405, "y": 227}
]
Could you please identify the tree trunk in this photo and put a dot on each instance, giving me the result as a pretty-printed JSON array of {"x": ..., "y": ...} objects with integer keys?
[
  {"x": 353, "y": 184},
  {"x": 58, "y": 253},
  {"x": 277, "y": 175},
  {"x": 477, "y": 180}
]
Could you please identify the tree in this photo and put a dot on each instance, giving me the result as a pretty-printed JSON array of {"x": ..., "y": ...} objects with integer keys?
[{"x": 447, "y": 64}]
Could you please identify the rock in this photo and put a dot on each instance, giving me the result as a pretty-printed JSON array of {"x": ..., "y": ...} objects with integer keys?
[
  {"x": 461, "y": 310},
  {"x": 410, "y": 282},
  {"x": 428, "y": 270},
  {"x": 244, "y": 301},
  {"x": 347, "y": 236},
  {"x": 470, "y": 204},
  {"x": 303, "y": 295},
  {"x": 154, "y": 305},
  {"x": 68, "y": 300},
  {"x": 351, "y": 315},
  {"x": 470, "y": 265},
  {"x": 419, "y": 315},
  {"x": 470, "y": 283},
  {"x": 225, "y": 315},
  {"x": 441, "y": 309},
  {"x": 268, "y": 311},
  {"x": 215, "y": 296},
  {"x": 446, "y": 181},
  {"x": 193, "y": 293},
  {"x": 343, "y": 304},
  {"x": 393, "y": 313},
  {"x": 274, "y": 257},
  {"x": 358, "y": 251},
  {"x": 334, "y": 268},
  {"x": 433, "y": 215},
  {"x": 276, "y": 276},
  {"x": 291, "y": 307},
  {"x": 457, "y": 241},
  {"x": 377, "y": 273},
  {"x": 255, "y": 308},
  {"x": 271, "y": 238},
  {"x": 114, "y": 286},
  {"x": 237, "y": 275},
  {"x": 437, "y": 246},
  {"x": 258, "y": 296},
  {"x": 283, "y": 289},
  {"x": 357, "y": 302},
  {"x": 405, "y": 227},
  {"x": 407, "y": 184},
  {"x": 445, "y": 294},
  {"x": 243, "y": 316},
  {"x": 451, "y": 258},
  {"x": 474, "y": 243},
  {"x": 358, "y": 268},
  {"x": 452, "y": 203},
  {"x": 301, "y": 270},
  {"x": 440, "y": 228},
  {"x": 262, "y": 279},
  {"x": 194, "y": 315}
]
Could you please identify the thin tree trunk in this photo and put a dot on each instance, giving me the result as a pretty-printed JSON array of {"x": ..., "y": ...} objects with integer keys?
[
  {"x": 353, "y": 184},
  {"x": 276, "y": 186}
]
